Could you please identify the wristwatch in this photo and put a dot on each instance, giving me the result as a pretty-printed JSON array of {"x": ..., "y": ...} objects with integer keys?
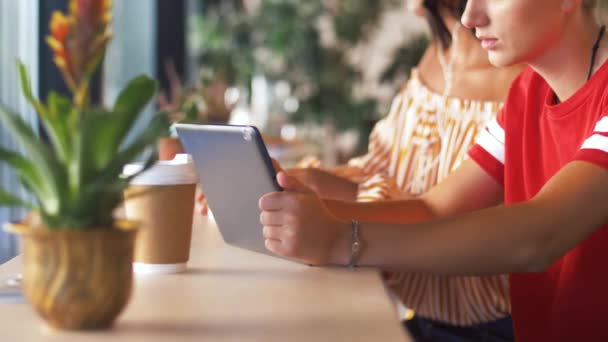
[{"x": 356, "y": 244}]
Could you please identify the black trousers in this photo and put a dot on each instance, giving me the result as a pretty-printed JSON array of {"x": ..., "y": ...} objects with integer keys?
[{"x": 423, "y": 330}]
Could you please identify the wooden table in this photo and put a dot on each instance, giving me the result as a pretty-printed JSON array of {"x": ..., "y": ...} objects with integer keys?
[{"x": 230, "y": 294}]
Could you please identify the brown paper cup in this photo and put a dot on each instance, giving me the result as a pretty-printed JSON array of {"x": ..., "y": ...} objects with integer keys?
[{"x": 162, "y": 199}]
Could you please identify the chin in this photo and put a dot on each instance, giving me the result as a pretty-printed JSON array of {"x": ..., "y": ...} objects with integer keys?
[{"x": 500, "y": 60}]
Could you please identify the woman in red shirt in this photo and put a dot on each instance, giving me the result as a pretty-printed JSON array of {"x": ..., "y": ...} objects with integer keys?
[{"x": 545, "y": 157}]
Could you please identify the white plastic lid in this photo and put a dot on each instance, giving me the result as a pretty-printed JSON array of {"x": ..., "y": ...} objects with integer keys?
[
  {"x": 142, "y": 268},
  {"x": 180, "y": 170}
]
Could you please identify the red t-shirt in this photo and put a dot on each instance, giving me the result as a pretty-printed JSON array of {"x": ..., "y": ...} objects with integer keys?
[{"x": 531, "y": 140}]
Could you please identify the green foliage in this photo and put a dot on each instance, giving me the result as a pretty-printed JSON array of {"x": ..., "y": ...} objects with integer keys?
[
  {"x": 281, "y": 40},
  {"x": 355, "y": 16},
  {"x": 76, "y": 180},
  {"x": 223, "y": 40},
  {"x": 406, "y": 58}
]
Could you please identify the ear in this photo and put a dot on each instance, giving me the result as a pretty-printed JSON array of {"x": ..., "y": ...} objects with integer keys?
[{"x": 569, "y": 6}]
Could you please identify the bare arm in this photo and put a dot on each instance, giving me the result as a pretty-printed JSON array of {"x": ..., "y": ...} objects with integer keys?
[
  {"x": 326, "y": 184},
  {"x": 451, "y": 197},
  {"x": 526, "y": 237}
]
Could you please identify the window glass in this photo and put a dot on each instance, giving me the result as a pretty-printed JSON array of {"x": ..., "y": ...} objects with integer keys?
[{"x": 18, "y": 40}]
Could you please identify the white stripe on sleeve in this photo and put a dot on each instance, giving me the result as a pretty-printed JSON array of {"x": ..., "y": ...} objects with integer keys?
[
  {"x": 497, "y": 131},
  {"x": 602, "y": 125},
  {"x": 492, "y": 145},
  {"x": 596, "y": 142}
]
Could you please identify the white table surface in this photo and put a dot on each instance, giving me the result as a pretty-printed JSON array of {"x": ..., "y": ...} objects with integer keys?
[{"x": 230, "y": 294}]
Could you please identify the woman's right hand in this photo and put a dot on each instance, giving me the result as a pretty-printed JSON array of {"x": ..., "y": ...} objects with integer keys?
[{"x": 298, "y": 225}]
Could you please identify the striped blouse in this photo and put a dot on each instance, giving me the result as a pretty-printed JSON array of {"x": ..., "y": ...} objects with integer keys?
[{"x": 425, "y": 137}]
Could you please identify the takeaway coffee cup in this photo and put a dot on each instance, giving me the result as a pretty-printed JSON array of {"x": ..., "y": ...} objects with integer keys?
[{"x": 162, "y": 200}]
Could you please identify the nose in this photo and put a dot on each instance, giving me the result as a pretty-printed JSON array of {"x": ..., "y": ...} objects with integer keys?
[{"x": 475, "y": 14}]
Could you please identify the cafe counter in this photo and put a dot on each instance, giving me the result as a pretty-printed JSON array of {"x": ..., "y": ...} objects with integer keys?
[{"x": 230, "y": 294}]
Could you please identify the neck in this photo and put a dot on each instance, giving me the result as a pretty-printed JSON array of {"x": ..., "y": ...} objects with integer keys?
[{"x": 574, "y": 45}]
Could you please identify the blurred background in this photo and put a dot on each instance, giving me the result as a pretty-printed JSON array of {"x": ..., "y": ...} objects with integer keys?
[
  {"x": 320, "y": 71},
  {"x": 313, "y": 75}
]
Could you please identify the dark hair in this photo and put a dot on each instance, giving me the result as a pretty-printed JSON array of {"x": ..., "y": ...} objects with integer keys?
[{"x": 438, "y": 26}]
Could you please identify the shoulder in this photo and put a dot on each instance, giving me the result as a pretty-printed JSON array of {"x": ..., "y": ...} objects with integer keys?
[
  {"x": 600, "y": 85},
  {"x": 529, "y": 77},
  {"x": 526, "y": 78},
  {"x": 528, "y": 84}
]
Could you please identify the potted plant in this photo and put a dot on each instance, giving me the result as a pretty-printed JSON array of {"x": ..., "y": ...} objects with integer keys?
[
  {"x": 77, "y": 256},
  {"x": 181, "y": 106}
]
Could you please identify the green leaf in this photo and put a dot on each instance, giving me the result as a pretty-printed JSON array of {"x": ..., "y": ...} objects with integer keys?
[
  {"x": 102, "y": 197},
  {"x": 9, "y": 200},
  {"x": 57, "y": 124},
  {"x": 191, "y": 112},
  {"x": 103, "y": 186},
  {"x": 128, "y": 107},
  {"x": 103, "y": 132},
  {"x": 157, "y": 128},
  {"x": 135, "y": 96},
  {"x": 54, "y": 119},
  {"x": 29, "y": 175},
  {"x": 27, "y": 90},
  {"x": 24, "y": 168},
  {"x": 97, "y": 139},
  {"x": 42, "y": 174}
]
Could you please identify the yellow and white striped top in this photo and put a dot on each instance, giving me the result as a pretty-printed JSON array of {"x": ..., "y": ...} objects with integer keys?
[{"x": 425, "y": 137}]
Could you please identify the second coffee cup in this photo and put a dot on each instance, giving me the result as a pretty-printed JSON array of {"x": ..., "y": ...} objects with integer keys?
[{"x": 162, "y": 200}]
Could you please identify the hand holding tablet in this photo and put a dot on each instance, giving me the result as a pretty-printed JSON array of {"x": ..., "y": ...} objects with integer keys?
[{"x": 235, "y": 171}]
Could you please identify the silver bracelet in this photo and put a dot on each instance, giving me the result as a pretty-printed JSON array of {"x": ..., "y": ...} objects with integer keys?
[{"x": 356, "y": 246}]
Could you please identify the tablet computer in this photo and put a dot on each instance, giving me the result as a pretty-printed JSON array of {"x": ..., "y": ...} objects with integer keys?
[{"x": 234, "y": 171}]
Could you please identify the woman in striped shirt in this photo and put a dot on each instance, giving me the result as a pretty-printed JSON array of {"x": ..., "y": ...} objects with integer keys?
[{"x": 432, "y": 123}]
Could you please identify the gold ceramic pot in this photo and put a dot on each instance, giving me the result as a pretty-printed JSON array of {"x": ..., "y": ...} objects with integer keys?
[{"x": 78, "y": 279}]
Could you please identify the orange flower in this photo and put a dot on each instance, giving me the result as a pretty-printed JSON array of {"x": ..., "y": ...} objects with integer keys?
[
  {"x": 79, "y": 40},
  {"x": 60, "y": 28}
]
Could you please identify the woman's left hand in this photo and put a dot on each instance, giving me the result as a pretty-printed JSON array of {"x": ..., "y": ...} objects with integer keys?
[{"x": 298, "y": 225}]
